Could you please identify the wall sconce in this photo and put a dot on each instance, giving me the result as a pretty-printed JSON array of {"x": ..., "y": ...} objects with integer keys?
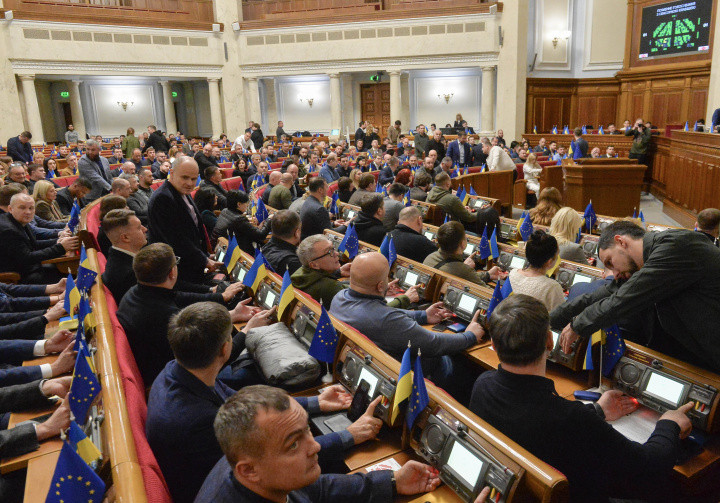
[
  {"x": 125, "y": 104},
  {"x": 559, "y": 35},
  {"x": 309, "y": 101},
  {"x": 446, "y": 96}
]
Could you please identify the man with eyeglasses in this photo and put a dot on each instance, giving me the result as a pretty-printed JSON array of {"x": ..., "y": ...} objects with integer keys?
[{"x": 321, "y": 276}]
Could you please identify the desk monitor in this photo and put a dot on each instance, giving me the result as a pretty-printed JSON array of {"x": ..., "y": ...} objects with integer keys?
[
  {"x": 369, "y": 377},
  {"x": 355, "y": 366},
  {"x": 508, "y": 231},
  {"x": 303, "y": 327},
  {"x": 667, "y": 390},
  {"x": 465, "y": 465},
  {"x": 467, "y": 303},
  {"x": 517, "y": 262},
  {"x": 239, "y": 272},
  {"x": 411, "y": 278},
  {"x": 556, "y": 336},
  {"x": 479, "y": 204},
  {"x": 220, "y": 255},
  {"x": 350, "y": 214}
]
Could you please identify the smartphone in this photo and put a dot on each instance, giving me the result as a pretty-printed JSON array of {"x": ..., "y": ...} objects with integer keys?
[{"x": 360, "y": 401}]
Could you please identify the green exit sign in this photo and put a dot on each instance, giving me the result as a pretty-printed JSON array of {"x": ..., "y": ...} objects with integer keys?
[
  {"x": 65, "y": 94},
  {"x": 174, "y": 94}
]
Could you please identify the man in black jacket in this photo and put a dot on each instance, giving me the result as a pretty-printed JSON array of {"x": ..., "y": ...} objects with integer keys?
[
  {"x": 368, "y": 223},
  {"x": 407, "y": 236},
  {"x": 156, "y": 140},
  {"x": 67, "y": 195},
  {"x": 257, "y": 136},
  {"x": 213, "y": 177},
  {"x": 562, "y": 432},
  {"x": 315, "y": 217},
  {"x": 21, "y": 251},
  {"x": 19, "y": 148},
  {"x": 674, "y": 275},
  {"x": 175, "y": 219},
  {"x": 280, "y": 251},
  {"x": 205, "y": 159}
]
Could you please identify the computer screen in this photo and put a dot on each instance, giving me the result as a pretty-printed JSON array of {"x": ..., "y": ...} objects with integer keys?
[
  {"x": 469, "y": 249},
  {"x": 350, "y": 214},
  {"x": 372, "y": 380},
  {"x": 517, "y": 262},
  {"x": 581, "y": 278},
  {"x": 335, "y": 132},
  {"x": 507, "y": 229},
  {"x": 411, "y": 278},
  {"x": 675, "y": 28},
  {"x": 429, "y": 235},
  {"x": 466, "y": 464},
  {"x": 556, "y": 336},
  {"x": 664, "y": 388},
  {"x": 220, "y": 256},
  {"x": 240, "y": 273},
  {"x": 270, "y": 298},
  {"x": 467, "y": 303}
]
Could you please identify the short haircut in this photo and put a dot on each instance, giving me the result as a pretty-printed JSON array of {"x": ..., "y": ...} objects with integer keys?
[
  {"x": 117, "y": 183},
  {"x": 397, "y": 189},
  {"x": 153, "y": 263},
  {"x": 236, "y": 197},
  {"x": 393, "y": 161},
  {"x": 422, "y": 180},
  {"x": 371, "y": 202},
  {"x": 26, "y": 134},
  {"x": 285, "y": 223},
  {"x": 205, "y": 199},
  {"x": 210, "y": 171},
  {"x": 344, "y": 183},
  {"x": 33, "y": 168},
  {"x": 519, "y": 328},
  {"x": 462, "y": 134},
  {"x": 197, "y": 334},
  {"x": 305, "y": 249},
  {"x": 91, "y": 143},
  {"x": 409, "y": 213},
  {"x": 366, "y": 180},
  {"x": 234, "y": 425},
  {"x": 9, "y": 190},
  {"x": 128, "y": 177},
  {"x": 447, "y": 160},
  {"x": 577, "y": 131},
  {"x": 619, "y": 228},
  {"x": 709, "y": 219},
  {"x": 398, "y": 123},
  {"x": 441, "y": 178},
  {"x": 316, "y": 184},
  {"x": 540, "y": 248},
  {"x": 111, "y": 202},
  {"x": 116, "y": 219},
  {"x": 450, "y": 235},
  {"x": 83, "y": 182}
]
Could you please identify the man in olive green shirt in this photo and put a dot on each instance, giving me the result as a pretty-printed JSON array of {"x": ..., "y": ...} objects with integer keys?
[{"x": 280, "y": 196}]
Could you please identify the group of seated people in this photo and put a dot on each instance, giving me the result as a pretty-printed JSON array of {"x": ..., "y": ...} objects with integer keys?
[{"x": 219, "y": 433}]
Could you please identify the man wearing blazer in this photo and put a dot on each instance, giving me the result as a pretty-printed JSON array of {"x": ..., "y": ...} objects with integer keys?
[
  {"x": 95, "y": 168},
  {"x": 459, "y": 150},
  {"x": 174, "y": 219}
]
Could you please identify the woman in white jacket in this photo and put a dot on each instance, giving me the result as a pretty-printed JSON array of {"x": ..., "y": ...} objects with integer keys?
[{"x": 532, "y": 169}]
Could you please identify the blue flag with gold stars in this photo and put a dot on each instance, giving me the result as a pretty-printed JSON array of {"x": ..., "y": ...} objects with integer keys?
[
  {"x": 325, "y": 339},
  {"x": 418, "y": 396},
  {"x": 73, "y": 480},
  {"x": 387, "y": 248},
  {"x": 613, "y": 349},
  {"x": 86, "y": 274},
  {"x": 590, "y": 217},
  {"x": 74, "y": 217},
  {"x": 526, "y": 229},
  {"x": 83, "y": 389},
  {"x": 262, "y": 213},
  {"x": 500, "y": 293},
  {"x": 350, "y": 244},
  {"x": 485, "y": 251}
]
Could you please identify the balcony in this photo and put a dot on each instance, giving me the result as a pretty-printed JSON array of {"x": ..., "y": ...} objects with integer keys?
[{"x": 179, "y": 14}]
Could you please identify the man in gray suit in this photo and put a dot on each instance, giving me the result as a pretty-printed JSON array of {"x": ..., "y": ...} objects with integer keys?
[{"x": 96, "y": 169}]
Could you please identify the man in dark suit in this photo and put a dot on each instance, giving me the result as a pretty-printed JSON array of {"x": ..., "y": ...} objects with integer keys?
[
  {"x": 388, "y": 173},
  {"x": 117, "y": 157},
  {"x": 19, "y": 148},
  {"x": 254, "y": 428},
  {"x": 205, "y": 159},
  {"x": 579, "y": 145},
  {"x": 187, "y": 394},
  {"x": 281, "y": 250},
  {"x": 280, "y": 132},
  {"x": 315, "y": 217},
  {"x": 459, "y": 150},
  {"x": 175, "y": 219},
  {"x": 14, "y": 352},
  {"x": 213, "y": 177},
  {"x": 67, "y": 195},
  {"x": 407, "y": 236},
  {"x": 360, "y": 133},
  {"x": 95, "y": 168},
  {"x": 478, "y": 156},
  {"x": 21, "y": 251},
  {"x": 156, "y": 140}
]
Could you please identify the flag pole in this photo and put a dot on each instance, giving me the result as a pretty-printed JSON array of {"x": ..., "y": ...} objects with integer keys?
[{"x": 327, "y": 378}]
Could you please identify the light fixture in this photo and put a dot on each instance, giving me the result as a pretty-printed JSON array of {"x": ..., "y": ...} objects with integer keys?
[
  {"x": 9, "y": 16},
  {"x": 309, "y": 101},
  {"x": 125, "y": 104},
  {"x": 446, "y": 96},
  {"x": 559, "y": 35}
]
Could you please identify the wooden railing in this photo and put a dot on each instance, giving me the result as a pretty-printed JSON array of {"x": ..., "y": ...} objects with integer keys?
[{"x": 187, "y": 14}]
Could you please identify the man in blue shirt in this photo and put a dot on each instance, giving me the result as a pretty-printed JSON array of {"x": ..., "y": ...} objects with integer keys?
[
  {"x": 19, "y": 148},
  {"x": 329, "y": 170}
]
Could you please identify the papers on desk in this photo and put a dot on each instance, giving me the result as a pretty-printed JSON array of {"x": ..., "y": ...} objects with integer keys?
[
  {"x": 388, "y": 464},
  {"x": 637, "y": 426}
]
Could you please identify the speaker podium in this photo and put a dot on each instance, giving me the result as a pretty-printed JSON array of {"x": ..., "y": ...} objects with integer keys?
[{"x": 614, "y": 189}]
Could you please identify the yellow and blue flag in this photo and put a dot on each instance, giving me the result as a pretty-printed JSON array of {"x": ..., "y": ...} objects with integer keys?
[
  {"x": 85, "y": 314},
  {"x": 554, "y": 130},
  {"x": 72, "y": 296},
  {"x": 232, "y": 254},
  {"x": 406, "y": 199},
  {"x": 350, "y": 244},
  {"x": 613, "y": 349},
  {"x": 501, "y": 292},
  {"x": 74, "y": 480},
  {"x": 687, "y": 127},
  {"x": 83, "y": 389},
  {"x": 526, "y": 229},
  {"x": 262, "y": 213},
  {"x": 447, "y": 218},
  {"x": 634, "y": 212},
  {"x": 534, "y": 129},
  {"x": 566, "y": 130},
  {"x": 590, "y": 217},
  {"x": 325, "y": 340},
  {"x": 287, "y": 294},
  {"x": 387, "y": 248},
  {"x": 521, "y": 220},
  {"x": 74, "y": 217},
  {"x": 588, "y": 362},
  {"x": 601, "y": 131},
  {"x": 418, "y": 396},
  {"x": 86, "y": 274},
  {"x": 257, "y": 272},
  {"x": 333, "y": 203},
  {"x": 268, "y": 267},
  {"x": 460, "y": 193},
  {"x": 494, "y": 245},
  {"x": 82, "y": 444},
  {"x": 404, "y": 385}
]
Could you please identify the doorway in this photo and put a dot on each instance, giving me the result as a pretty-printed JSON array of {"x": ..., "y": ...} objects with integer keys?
[{"x": 375, "y": 106}]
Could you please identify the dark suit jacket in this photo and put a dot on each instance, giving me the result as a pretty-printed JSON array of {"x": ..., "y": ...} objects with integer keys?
[
  {"x": 21, "y": 252},
  {"x": 478, "y": 156},
  {"x": 12, "y": 354},
  {"x": 65, "y": 200},
  {"x": 220, "y": 192},
  {"x": 18, "y": 398},
  {"x": 21, "y": 298},
  {"x": 231, "y": 222},
  {"x": 369, "y": 229},
  {"x": 170, "y": 222},
  {"x": 453, "y": 152},
  {"x": 157, "y": 141},
  {"x": 386, "y": 176},
  {"x": 411, "y": 244},
  {"x": 281, "y": 255},
  {"x": 20, "y": 152},
  {"x": 315, "y": 217},
  {"x": 437, "y": 147}
]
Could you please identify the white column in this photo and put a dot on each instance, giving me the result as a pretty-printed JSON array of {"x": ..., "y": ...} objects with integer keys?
[
  {"x": 405, "y": 100},
  {"x": 512, "y": 69},
  {"x": 254, "y": 99},
  {"x": 32, "y": 110},
  {"x": 335, "y": 102},
  {"x": 395, "y": 98},
  {"x": 487, "y": 100},
  {"x": 170, "y": 119},
  {"x": 190, "y": 111},
  {"x": 271, "y": 104},
  {"x": 215, "y": 107},
  {"x": 76, "y": 109}
]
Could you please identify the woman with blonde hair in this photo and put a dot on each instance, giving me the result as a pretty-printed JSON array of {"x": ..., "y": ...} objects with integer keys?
[
  {"x": 38, "y": 158},
  {"x": 46, "y": 206},
  {"x": 549, "y": 202},
  {"x": 458, "y": 122},
  {"x": 355, "y": 175},
  {"x": 564, "y": 227},
  {"x": 532, "y": 169}
]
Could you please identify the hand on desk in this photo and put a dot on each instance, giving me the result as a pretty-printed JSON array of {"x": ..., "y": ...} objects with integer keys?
[
  {"x": 680, "y": 417},
  {"x": 213, "y": 265},
  {"x": 334, "y": 398},
  {"x": 616, "y": 405},
  {"x": 57, "y": 387},
  {"x": 368, "y": 426},
  {"x": 65, "y": 362},
  {"x": 260, "y": 319},
  {"x": 437, "y": 313},
  {"x": 415, "y": 477},
  {"x": 476, "y": 328},
  {"x": 58, "y": 287},
  {"x": 69, "y": 243},
  {"x": 244, "y": 312},
  {"x": 232, "y": 290},
  {"x": 496, "y": 273},
  {"x": 55, "y": 313},
  {"x": 60, "y": 420},
  {"x": 567, "y": 337},
  {"x": 58, "y": 341}
]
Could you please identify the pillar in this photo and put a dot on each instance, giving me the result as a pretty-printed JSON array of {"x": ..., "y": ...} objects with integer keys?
[
  {"x": 512, "y": 69},
  {"x": 271, "y": 104},
  {"x": 405, "y": 101},
  {"x": 32, "y": 110},
  {"x": 254, "y": 99},
  {"x": 215, "y": 107},
  {"x": 190, "y": 110},
  {"x": 487, "y": 103},
  {"x": 76, "y": 109},
  {"x": 170, "y": 119},
  {"x": 335, "y": 102},
  {"x": 348, "y": 110},
  {"x": 395, "y": 98}
]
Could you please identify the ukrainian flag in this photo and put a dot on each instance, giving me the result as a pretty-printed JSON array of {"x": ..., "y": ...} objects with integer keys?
[
  {"x": 82, "y": 445},
  {"x": 257, "y": 272},
  {"x": 566, "y": 130},
  {"x": 418, "y": 396},
  {"x": 554, "y": 130},
  {"x": 72, "y": 296},
  {"x": 494, "y": 245},
  {"x": 406, "y": 199},
  {"x": 232, "y": 255},
  {"x": 521, "y": 220},
  {"x": 74, "y": 480},
  {"x": 287, "y": 294},
  {"x": 596, "y": 338},
  {"x": 461, "y": 194},
  {"x": 687, "y": 127},
  {"x": 404, "y": 385},
  {"x": 600, "y": 131},
  {"x": 86, "y": 274},
  {"x": 534, "y": 129}
]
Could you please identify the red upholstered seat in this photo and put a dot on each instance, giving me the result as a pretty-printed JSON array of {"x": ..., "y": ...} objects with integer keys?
[
  {"x": 332, "y": 188},
  {"x": 275, "y": 165},
  {"x": 474, "y": 169},
  {"x": 226, "y": 172},
  {"x": 233, "y": 183},
  {"x": 156, "y": 185},
  {"x": 225, "y": 165},
  {"x": 64, "y": 181},
  {"x": 93, "y": 224},
  {"x": 261, "y": 190}
]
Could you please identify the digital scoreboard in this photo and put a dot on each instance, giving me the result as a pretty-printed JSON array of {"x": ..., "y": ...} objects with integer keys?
[{"x": 675, "y": 28}]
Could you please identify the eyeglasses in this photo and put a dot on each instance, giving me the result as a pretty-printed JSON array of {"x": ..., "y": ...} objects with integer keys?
[{"x": 330, "y": 252}]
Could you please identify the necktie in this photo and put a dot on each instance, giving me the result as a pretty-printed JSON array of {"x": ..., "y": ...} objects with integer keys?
[{"x": 191, "y": 210}]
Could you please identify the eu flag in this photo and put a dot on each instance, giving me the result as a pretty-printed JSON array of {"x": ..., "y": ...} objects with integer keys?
[
  {"x": 500, "y": 293},
  {"x": 387, "y": 248},
  {"x": 526, "y": 229},
  {"x": 494, "y": 245},
  {"x": 447, "y": 218},
  {"x": 83, "y": 389},
  {"x": 485, "y": 251},
  {"x": 350, "y": 243},
  {"x": 404, "y": 385},
  {"x": 325, "y": 339},
  {"x": 333, "y": 203},
  {"x": 72, "y": 296},
  {"x": 262, "y": 213},
  {"x": 472, "y": 191},
  {"x": 74, "y": 480},
  {"x": 590, "y": 217},
  {"x": 418, "y": 396},
  {"x": 287, "y": 294},
  {"x": 74, "y": 217},
  {"x": 82, "y": 444},
  {"x": 406, "y": 199},
  {"x": 613, "y": 349},
  {"x": 232, "y": 254},
  {"x": 86, "y": 274}
]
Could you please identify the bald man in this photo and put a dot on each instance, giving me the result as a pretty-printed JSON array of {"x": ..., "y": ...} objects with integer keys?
[
  {"x": 174, "y": 219},
  {"x": 281, "y": 197},
  {"x": 273, "y": 181},
  {"x": 121, "y": 187},
  {"x": 363, "y": 307},
  {"x": 22, "y": 252}
]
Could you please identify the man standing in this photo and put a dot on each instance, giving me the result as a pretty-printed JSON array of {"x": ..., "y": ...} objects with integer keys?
[
  {"x": 19, "y": 148},
  {"x": 95, "y": 168},
  {"x": 205, "y": 158},
  {"x": 360, "y": 133},
  {"x": 280, "y": 132},
  {"x": 497, "y": 158},
  {"x": 421, "y": 140},
  {"x": 394, "y": 132},
  {"x": 156, "y": 140},
  {"x": 244, "y": 143},
  {"x": 280, "y": 196},
  {"x": 579, "y": 145},
  {"x": 641, "y": 140},
  {"x": 71, "y": 136},
  {"x": 436, "y": 144},
  {"x": 459, "y": 151}
]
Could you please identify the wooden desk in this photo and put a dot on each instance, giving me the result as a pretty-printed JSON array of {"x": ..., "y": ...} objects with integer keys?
[
  {"x": 51, "y": 446},
  {"x": 387, "y": 444},
  {"x": 39, "y": 476}
]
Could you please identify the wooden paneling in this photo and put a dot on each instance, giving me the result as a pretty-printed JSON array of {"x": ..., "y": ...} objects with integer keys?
[
  {"x": 549, "y": 103},
  {"x": 375, "y": 105}
]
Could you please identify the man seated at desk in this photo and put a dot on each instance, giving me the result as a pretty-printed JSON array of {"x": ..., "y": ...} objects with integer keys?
[
  {"x": 670, "y": 276},
  {"x": 575, "y": 438},
  {"x": 186, "y": 396},
  {"x": 363, "y": 306},
  {"x": 408, "y": 238},
  {"x": 270, "y": 455},
  {"x": 441, "y": 195},
  {"x": 708, "y": 224}
]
